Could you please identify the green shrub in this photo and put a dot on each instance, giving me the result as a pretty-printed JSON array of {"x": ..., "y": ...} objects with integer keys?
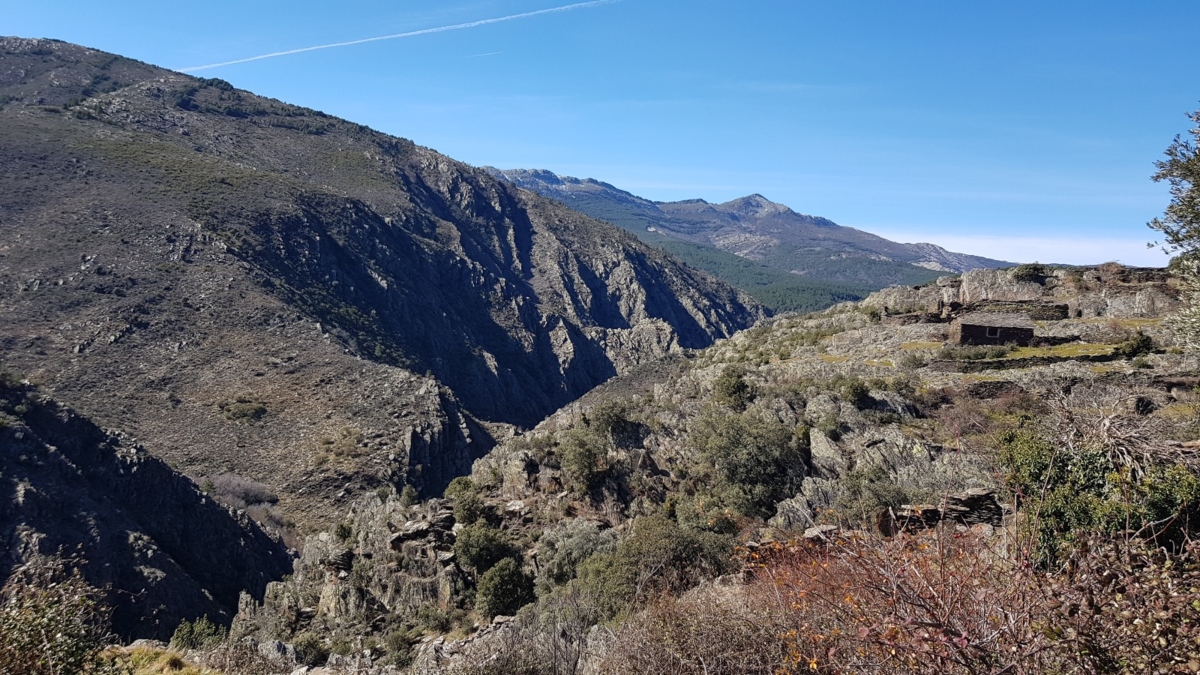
[
  {"x": 757, "y": 461},
  {"x": 310, "y": 650},
  {"x": 583, "y": 456},
  {"x": 198, "y": 634},
  {"x": 503, "y": 589},
  {"x": 399, "y": 644},
  {"x": 243, "y": 409},
  {"x": 480, "y": 546},
  {"x": 562, "y": 549},
  {"x": 611, "y": 418},
  {"x": 469, "y": 507},
  {"x": 458, "y": 487},
  {"x": 829, "y": 425},
  {"x": 865, "y": 490},
  {"x": 1031, "y": 272},
  {"x": 710, "y": 511},
  {"x": 974, "y": 352},
  {"x": 659, "y": 556},
  {"x": 1073, "y": 493},
  {"x": 1136, "y": 345},
  {"x": 431, "y": 617},
  {"x": 732, "y": 390},
  {"x": 856, "y": 393},
  {"x": 409, "y": 496}
]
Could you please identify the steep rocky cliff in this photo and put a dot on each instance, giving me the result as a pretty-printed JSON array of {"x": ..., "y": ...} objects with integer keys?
[
  {"x": 254, "y": 288},
  {"x": 160, "y": 549}
]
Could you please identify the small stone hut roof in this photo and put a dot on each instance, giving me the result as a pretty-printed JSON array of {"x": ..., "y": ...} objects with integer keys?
[{"x": 996, "y": 319}]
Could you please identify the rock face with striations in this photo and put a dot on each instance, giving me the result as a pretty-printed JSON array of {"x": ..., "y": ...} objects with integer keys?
[
  {"x": 164, "y": 551},
  {"x": 257, "y": 288}
]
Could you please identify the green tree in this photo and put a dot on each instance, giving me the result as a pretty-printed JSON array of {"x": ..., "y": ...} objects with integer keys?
[
  {"x": 1180, "y": 227},
  {"x": 1180, "y": 224},
  {"x": 504, "y": 589},
  {"x": 480, "y": 546},
  {"x": 583, "y": 455},
  {"x": 757, "y": 461},
  {"x": 731, "y": 389}
]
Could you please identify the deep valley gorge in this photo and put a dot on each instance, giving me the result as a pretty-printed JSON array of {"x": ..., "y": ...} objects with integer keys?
[{"x": 280, "y": 393}]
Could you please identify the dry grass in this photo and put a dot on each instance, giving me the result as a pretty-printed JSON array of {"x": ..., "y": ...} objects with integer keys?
[
  {"x": 152, "y": 661},
  {"x": 1070, "y": 350},
  {"x": 921, "y": 345}
]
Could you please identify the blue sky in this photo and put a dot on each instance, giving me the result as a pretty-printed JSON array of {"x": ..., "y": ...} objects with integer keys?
[{"x": 1017, "y": 130}]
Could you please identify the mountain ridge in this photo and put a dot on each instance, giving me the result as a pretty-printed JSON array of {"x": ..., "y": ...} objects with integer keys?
[{"x": 755, "y": 228}]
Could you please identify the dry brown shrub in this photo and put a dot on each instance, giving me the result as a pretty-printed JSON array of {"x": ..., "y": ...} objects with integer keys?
[
  {"x": 952, "y": 602},
  {"x": 712, "y": 630},
  {"x": 922, "y": 604},
  {"x": 940, "y": 602},
  {"x": 1110, "y": 270},
  {"x": 243, "y": 658}
]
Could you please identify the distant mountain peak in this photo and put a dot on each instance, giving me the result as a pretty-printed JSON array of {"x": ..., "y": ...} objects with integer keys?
[{"x": 754, "y": 205}]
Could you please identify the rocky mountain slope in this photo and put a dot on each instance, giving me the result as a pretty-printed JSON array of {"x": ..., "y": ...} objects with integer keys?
[
  {"x": 255, "y": 288},
  {"x": 161, "y": 550},
  {"x": 854, "y": 418},
  {"x": 758, "y": 230}
]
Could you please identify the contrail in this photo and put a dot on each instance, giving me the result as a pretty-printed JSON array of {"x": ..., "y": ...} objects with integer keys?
[{"x": 425, "y": 31}]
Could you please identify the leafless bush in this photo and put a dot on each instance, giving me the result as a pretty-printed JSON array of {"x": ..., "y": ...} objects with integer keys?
[
  {"x": 1099, "y": 416},
  {"x": 1110, "y": 270},
  {"x": 237, "y": 492},
  {"x": 947, "y": 602},
  {"x": 243, "y": 658},
  {"x": 711, "y": 630},
  {"x": 547, "y": 638}
]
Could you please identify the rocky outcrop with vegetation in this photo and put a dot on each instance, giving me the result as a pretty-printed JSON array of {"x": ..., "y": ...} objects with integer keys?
[{"x": 652, "y": 525}]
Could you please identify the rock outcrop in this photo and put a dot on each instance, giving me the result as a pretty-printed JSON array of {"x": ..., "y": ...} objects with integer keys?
[
  {"x": 1107, "y": 291},
  {"x": 384, "y": 563}
]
